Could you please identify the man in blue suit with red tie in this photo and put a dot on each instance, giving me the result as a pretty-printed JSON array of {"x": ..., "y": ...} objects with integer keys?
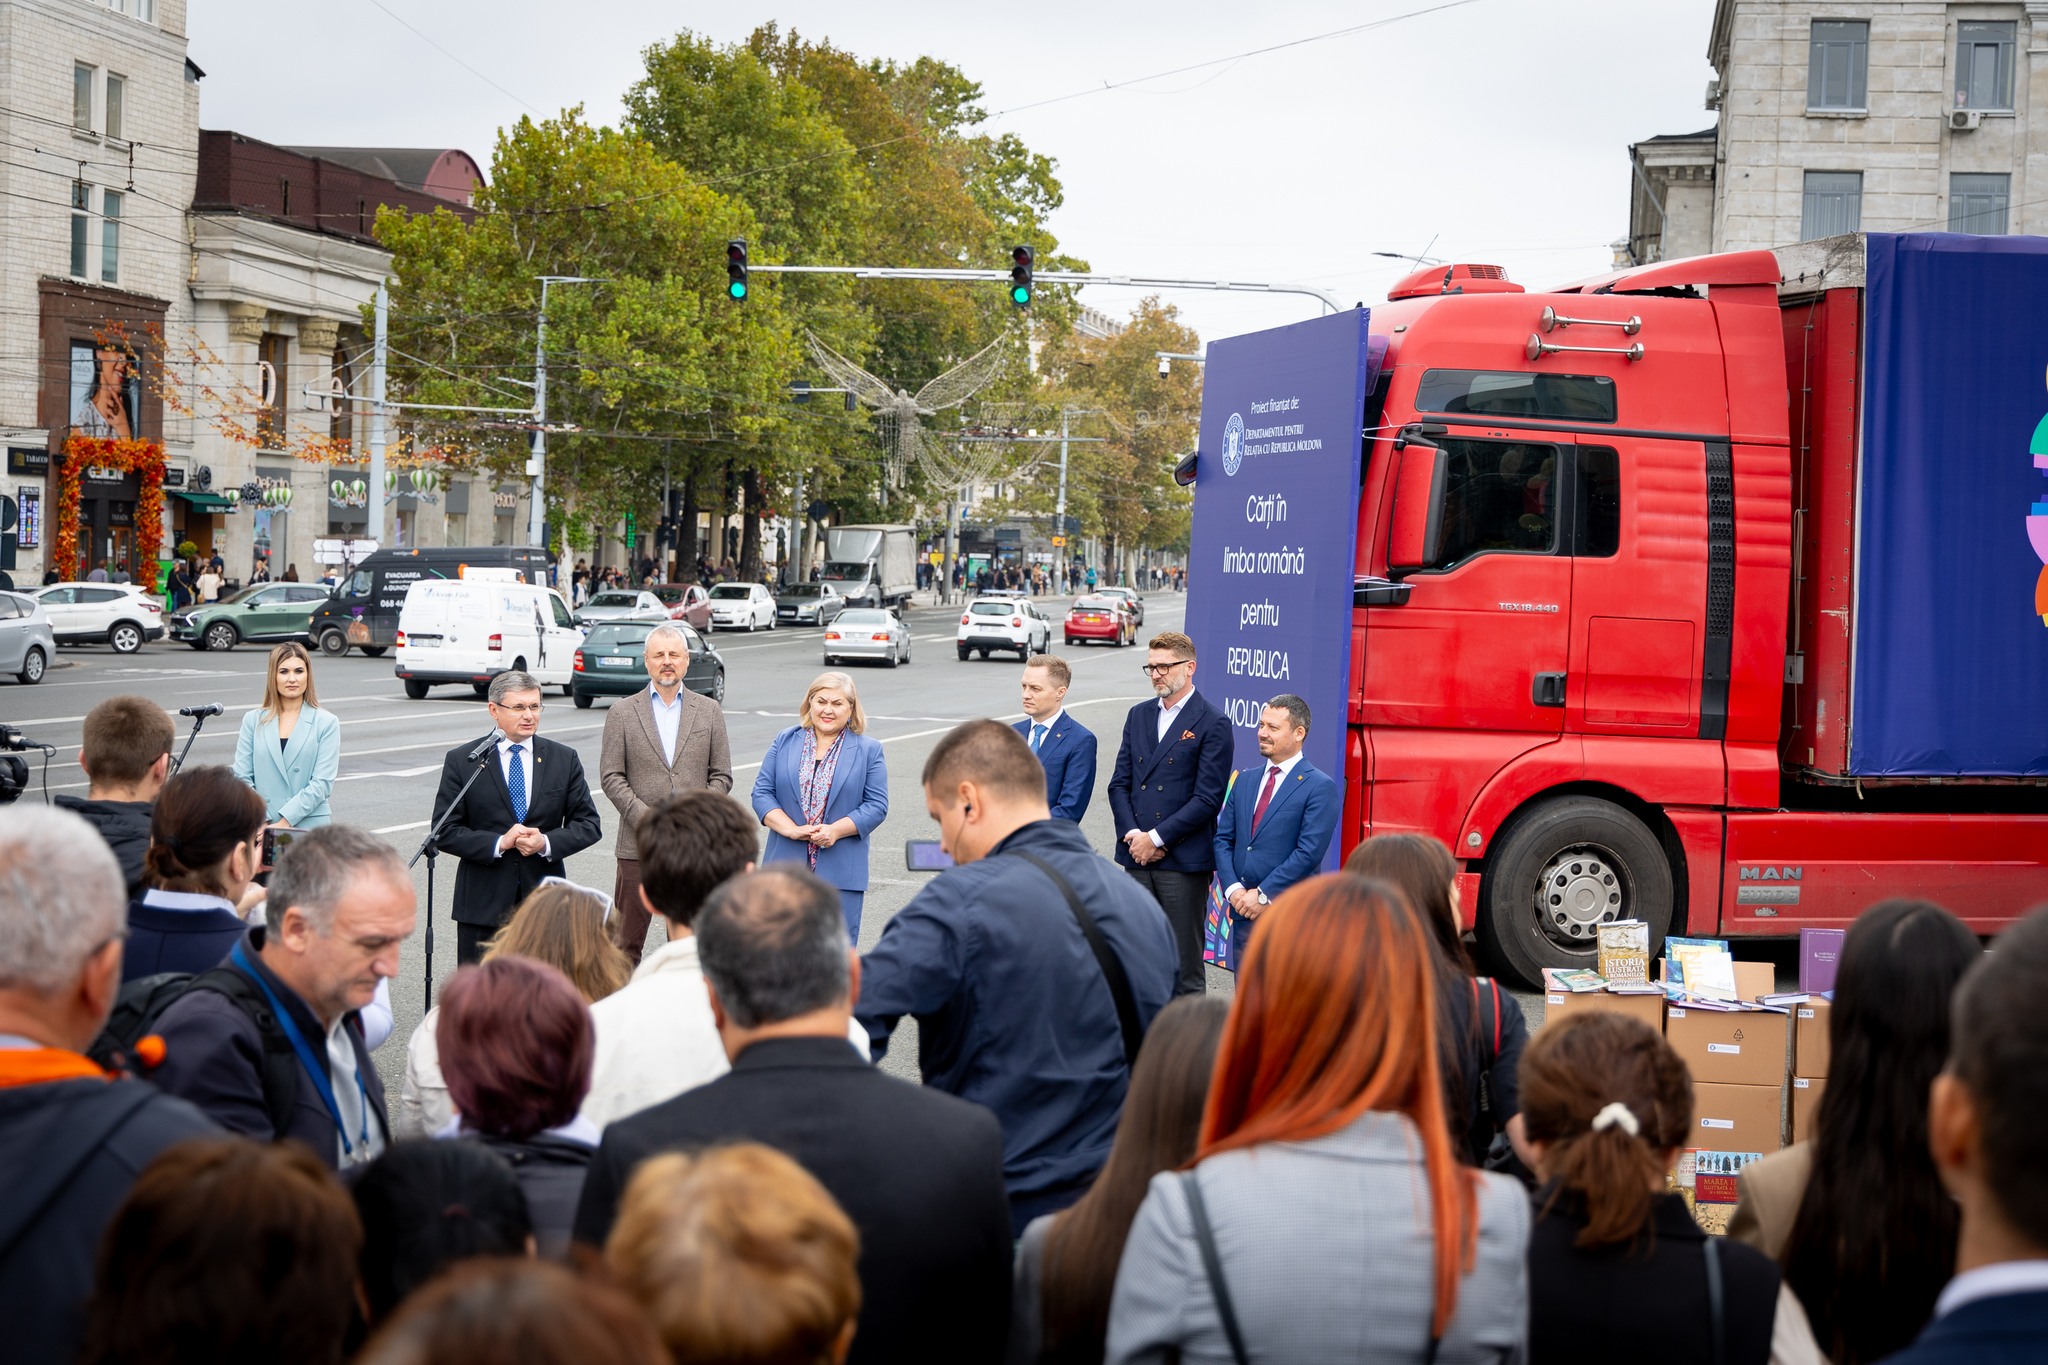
[
  {"x": 1065, "y": 747},
  {"x": 1277, "y": 825}
]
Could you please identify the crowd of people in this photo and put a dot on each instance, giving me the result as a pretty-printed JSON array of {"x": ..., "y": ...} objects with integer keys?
[{"x": 689, "y": 1155}]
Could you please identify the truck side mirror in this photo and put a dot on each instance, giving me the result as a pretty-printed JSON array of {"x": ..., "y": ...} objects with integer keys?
[{"x": 1418, "y": 507}]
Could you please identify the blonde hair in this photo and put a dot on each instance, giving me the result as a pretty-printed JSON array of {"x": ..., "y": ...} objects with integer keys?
[
  {"x": 273, "y": 700},
  {"x": 737, "y": 1255},
  {"x": 564, "y": 927},
  {"x": 838, "y": 682}
]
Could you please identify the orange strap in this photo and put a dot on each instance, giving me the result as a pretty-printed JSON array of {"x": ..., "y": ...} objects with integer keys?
[{"x": 42, "y": 1065}]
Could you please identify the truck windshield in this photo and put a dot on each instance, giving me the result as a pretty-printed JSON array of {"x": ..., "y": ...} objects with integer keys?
[
  {"x": 1507, "y": 393},
  {"x": 847, "y": 569}
]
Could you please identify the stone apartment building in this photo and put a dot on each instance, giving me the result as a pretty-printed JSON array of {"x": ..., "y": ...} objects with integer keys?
[{"x": 1868, "y": 115}]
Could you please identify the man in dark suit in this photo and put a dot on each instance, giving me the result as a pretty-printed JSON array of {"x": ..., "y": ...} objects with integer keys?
[
  {"x": 1984, "y": 1129},
  {"x": 1065, "y": 747},
  {"x": 1277, "y": 823},
  {"x": 520, "y": 822},
  {"x": 920, "y": 1173},
  {"x": 1171, "y": 772}
]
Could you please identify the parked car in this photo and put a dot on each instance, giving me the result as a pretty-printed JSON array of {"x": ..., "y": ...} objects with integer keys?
[
  {"x": 808, "y": 603},
  {"x": 611, "y": 662},
  {"x": 1006, "y": 623},
  {"x": 685, "y": 602},
  {"x": 867, "y": 633},
  {"x": 263, "y": 614},
  {"x": 26, "y": 640},
  {"x": 742, "y": 606},
  {"x": 117, "y": 614},
  {"x": 1135, "y": 598},
  {"x": 621, "y": 604},
  {"x": 471, "y": 629},
  {"x": 1101, "y": 618}
]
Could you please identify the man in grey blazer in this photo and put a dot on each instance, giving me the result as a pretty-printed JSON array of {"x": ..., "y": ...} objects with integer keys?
[{"x": 660, "y": 742}]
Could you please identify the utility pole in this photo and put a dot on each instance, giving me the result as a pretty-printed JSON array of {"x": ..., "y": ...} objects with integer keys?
[
  {"x": 537, "y": 465},
  {"x": 378, "y": 357},
  {"x": 1059, "y": 516}
]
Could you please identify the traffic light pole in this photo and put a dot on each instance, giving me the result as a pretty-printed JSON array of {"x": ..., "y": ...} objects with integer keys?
[{"x": 867, "y": 272}]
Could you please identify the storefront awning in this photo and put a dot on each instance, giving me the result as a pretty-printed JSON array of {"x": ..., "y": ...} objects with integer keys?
[{"x": 203, "y": 502}]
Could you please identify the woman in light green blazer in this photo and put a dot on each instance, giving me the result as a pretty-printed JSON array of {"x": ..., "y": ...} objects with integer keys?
[{"x": 289, "y": 749}]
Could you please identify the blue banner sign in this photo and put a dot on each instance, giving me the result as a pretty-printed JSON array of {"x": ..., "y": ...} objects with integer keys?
[{"x": 1276, "y": 526}]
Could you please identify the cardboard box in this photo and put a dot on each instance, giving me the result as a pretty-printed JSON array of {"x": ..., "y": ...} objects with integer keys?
[
  {"x": 1806, "y": 1092},
  {"x": 1745, "y": 1047},
  {"x": 1559, "y": 1003},
  {"x": 1753, "y": 980},
  {"x": 1810, "y": 1038},
  {"x": 1738, "y": 1118}
]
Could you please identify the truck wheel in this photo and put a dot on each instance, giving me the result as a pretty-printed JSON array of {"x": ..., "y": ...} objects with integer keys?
[
  {"x": 1560, "y": 871},
  {"x": 333, "y": 643},
  {"x": 415, "y": 689}
]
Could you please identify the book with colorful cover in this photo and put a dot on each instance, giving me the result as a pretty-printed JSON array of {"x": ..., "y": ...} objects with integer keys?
[
  {"x": 1624, "y": 948},
  {"x": 1580, "y": 981}
]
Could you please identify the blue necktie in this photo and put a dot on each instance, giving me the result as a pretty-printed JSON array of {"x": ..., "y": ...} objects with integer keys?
[
  {"x": 1037, "y": 737},
  {"x": 516, "y": 782}
]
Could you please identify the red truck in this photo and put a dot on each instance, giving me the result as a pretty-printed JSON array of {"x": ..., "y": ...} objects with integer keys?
[{"x": 1699, "y": 593}]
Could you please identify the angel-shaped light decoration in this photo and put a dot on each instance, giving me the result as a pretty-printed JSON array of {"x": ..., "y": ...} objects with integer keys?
[{"x": 904, "y": 438}]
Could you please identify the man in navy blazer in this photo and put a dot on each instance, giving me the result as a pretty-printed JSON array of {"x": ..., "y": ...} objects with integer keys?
[
  {"x": 1277, "y": 823},
  {"x": 1171, "y": 772},
  {"x": 1984, "y": 1129},
  {"x": 1065, "y": 747}
]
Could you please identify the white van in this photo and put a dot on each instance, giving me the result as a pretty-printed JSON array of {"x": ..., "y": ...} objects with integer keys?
[{"x": 471, "y": 629}]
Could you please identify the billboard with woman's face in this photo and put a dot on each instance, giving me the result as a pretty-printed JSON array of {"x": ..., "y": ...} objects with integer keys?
[{"x": 106, "y": 391}]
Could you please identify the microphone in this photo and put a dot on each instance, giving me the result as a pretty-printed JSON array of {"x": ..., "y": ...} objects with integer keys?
[
  {"x": 212, "y": 708},
  {"x": 483, "y": 746}
]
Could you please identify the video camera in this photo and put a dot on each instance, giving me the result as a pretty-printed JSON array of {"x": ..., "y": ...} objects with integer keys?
[{"x": 13, "y": 770}]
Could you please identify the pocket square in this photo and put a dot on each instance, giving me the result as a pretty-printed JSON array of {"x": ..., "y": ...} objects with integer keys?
[{"x": 1187, "y": 734}]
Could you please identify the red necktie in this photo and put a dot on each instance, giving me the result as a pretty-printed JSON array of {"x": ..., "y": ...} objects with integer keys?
[{"x": 1265, "y": 795}]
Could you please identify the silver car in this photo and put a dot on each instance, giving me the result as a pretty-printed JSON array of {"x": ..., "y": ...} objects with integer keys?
[
  {"x": 621, "y": 604},
  {"x": 26, "y": 641},
  {"x": 867, "y": 633},
  {"x": 808, "y": 603}
]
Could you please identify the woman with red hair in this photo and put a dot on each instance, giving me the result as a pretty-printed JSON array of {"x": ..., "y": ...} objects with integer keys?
[{"x": 1327, "y": 1216}]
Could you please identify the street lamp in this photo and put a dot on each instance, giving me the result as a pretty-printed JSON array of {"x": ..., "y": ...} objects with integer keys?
[{"x": 537, "y": 464}]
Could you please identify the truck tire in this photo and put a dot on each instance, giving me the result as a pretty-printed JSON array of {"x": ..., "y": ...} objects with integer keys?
[
  {"x": 333, "y": 643},
  {"x": 1561, "y": 869},
  {"x": 415, "y": 689}
]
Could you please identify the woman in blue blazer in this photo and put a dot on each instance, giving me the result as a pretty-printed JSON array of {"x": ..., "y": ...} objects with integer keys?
[
  {"x": 823, "y": 790},
  {"x": 289, "y": 749}
]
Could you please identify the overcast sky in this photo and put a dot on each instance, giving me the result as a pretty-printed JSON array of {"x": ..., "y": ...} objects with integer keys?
[{"x": 1491, "y": 131}]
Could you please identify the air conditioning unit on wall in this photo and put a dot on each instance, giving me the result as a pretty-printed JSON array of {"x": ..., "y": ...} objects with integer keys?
[{"x": 1964, "y": 120}]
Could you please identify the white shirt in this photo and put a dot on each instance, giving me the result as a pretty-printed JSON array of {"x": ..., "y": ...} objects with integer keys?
[
  {"x": 1992, "y": 1282},
  {"x": 364, "y": 1133},
  {"x": 159, "y": 899},
  {"x": 668, "y": 721},
  {"x": 1050, "y": 723},
  {"x": 1286, "y": 766},
  {"x": 524, "y": 758}
]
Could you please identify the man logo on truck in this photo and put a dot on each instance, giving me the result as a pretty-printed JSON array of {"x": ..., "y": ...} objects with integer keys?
[{"x": 1233, "y": 443}]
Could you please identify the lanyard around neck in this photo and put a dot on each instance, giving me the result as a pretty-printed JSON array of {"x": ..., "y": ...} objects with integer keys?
[{"x": 316, "y": 1067}]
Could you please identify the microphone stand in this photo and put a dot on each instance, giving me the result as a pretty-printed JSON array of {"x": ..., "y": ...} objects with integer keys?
[
  {"x": 430, "y": 847},
  {"x": 197, "y": 722}
]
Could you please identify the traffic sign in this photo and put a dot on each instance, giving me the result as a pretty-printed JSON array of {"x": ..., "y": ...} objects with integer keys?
[{"x": 1059, "y": 542}]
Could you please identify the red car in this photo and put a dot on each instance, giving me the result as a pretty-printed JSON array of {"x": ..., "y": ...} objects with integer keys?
[
  {"x": 685, "y": 602},
  {"x": 1101, "y": 618}
]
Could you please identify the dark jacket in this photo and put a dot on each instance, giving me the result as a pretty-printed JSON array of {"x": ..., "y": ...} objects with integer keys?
[
  {"x": 1482, "y": 1053},
  {"x": 1644, "y": 1301},
  {"x": 213, "y": 1056},
  {"x": 488, "y": 889},
  {"x": 166, "y": 940},
  {"x": 919, "y": 1173},
  {"x": 2006, "y": 1329},
  {"x": 1011, "y": 1006},
  {"x": 60, "y": 1190},
  {"x": 550, "y": 1171},
  {"x": 1175, "y": 785},
  {"x": 125, "y": 827},
  {"x": 1067, "y": 753}
]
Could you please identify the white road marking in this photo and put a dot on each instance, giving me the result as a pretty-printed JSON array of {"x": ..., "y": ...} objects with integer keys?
[{"x": 396, "y": 772}]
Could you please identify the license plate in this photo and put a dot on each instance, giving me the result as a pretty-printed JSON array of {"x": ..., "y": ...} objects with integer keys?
[{"x": 615, "y": 660}]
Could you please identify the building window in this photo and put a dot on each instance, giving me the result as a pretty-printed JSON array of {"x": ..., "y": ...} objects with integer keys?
[
  {"x": 1984, "y": 60},
  {"x": 271, "y": 350},
  {"x": 1838, "y": 64},
  {"x": 342, "y": 428},
  {"x": 117, "y": 92},
  {"x": 81, "y": 216},
  {"x": 81, "y": 97},
  {"x": 1980, "y": 203},
  {"x": 1833, "y": 204},
  {"x": 110, "y": 235}
]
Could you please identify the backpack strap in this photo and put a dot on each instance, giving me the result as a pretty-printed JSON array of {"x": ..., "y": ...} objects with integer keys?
[
  {"x": 280, "y": 1064},
  {"x": 1486, "y": 1004},
  {"x": 1716, "y": 1306},
  {"x": 89, "y": 1122},
  {"x": 1212, "y": 1265},
  {"x": 1105, "y": 957}
]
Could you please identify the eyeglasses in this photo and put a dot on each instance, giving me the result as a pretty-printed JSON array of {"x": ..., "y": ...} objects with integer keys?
[
  {"x": 603, "y": 898},
  {"x": 1160, "y": 670},
  {"x": 532, "y": 710}
]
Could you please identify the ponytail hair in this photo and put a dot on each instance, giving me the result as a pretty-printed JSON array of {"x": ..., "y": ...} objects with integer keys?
[
  {"x": 1611, "y": 1099},
  {"x": 200, "y": 815}
]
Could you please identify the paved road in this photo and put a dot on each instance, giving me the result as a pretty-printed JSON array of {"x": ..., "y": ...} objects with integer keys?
[{"x": 392, "y": 747}]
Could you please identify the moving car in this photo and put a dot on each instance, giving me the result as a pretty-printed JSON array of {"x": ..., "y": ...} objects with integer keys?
[
  {"x": 1132, "y": 596},
  {"x": 992, "y": 623},
  {"x": 685, "y": 602},
  {"x": 26, "y": 640},
  {"x": 742, "y": 606},
  {"x": 364, "y": 609},
  {"x": 116, "y": 614},
  {"x": 868, "y": 633},
  {"x": 469, "y": 630},
  {"x": 812, "y": 603},
  {"x": 1101, "y": 618},
  {"x": 611, "y": 662},
  {"x": 262, "y": 614},
  {"x": 621, "y": 604}
]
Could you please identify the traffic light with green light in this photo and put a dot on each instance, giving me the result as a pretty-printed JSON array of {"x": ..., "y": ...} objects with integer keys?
[
  {"x": 1020, "y": 276},
  {"x": 736, "y": 268}
]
